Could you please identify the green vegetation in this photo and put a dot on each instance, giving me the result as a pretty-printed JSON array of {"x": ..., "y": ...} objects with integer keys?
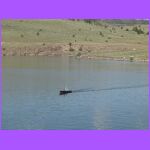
[
  {"x": 112, "y": 39},
  {"x": 131, "y": 58},
  {"x": 116, "y": 22},
  {"x": 138, "y": 30},
  {"x": 37, "y": 33}
]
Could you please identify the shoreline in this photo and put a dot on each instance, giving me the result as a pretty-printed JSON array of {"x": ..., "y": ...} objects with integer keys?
[
  {"x": 94, "y": 51},
  {"x": 86, "y": 58}
]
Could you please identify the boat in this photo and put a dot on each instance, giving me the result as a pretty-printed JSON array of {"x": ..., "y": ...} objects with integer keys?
[{"x": 65, "y": 91}]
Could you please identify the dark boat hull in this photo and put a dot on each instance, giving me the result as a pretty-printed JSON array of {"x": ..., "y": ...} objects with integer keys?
[{"x": 65, "y": 92}]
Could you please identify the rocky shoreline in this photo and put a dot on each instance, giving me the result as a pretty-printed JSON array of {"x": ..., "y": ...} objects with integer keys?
[{"x": 79, "y": 51}]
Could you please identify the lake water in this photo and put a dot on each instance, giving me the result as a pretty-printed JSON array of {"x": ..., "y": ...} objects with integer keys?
[{"x": 108, "y": 94}]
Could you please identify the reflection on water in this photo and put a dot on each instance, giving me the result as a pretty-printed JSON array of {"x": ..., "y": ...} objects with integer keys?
[{"x": 107, "y": 94}]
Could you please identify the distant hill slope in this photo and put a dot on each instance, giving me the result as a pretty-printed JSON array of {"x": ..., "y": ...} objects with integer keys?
[
  {"x": 123, "y": 22},
  {"x": 75, "y": 38}
]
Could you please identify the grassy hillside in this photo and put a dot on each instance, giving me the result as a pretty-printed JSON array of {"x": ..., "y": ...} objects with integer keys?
[
  {"x": 117, "y": 22},
  {"x": 75, "y": 38}
]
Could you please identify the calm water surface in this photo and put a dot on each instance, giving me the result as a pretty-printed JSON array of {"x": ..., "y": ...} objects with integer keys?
[{"x": 31, "y": 94}]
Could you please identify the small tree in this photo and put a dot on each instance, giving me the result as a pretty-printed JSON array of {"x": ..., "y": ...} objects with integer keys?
[
  {"x": 101, "y": 34},
  {"x": 21, "y": 35},
  {"x": 37, "y": 33},
  {"x": 137, "y": 30},
  {"x": 70, "y": 47},
  {"x": 70, "y": 44}
]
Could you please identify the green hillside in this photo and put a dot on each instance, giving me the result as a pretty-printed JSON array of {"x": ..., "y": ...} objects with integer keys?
[
  {"x": 74, "y": 38},
  {"x": 118, "y": 22}
]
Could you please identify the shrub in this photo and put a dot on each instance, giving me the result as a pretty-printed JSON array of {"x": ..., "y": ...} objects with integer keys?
[
  {"x": 121, "y": 27},
  {"x": 106, "y": 26},
  {"x": 73, "y": 35},
  {"x": 81, "y": 48},
  {"x": 88, "y": 21},
  {"x": 131, "y": 58},
  {"x": 3, "y": 48},
  {"x": 37, "y": 33},
  {"x": 71, "y": 49},
  {"x": 140, "y": 31},
  {"x": 109, "y": 37},
  {"x": 21, "y": 35},
  {"x": 137, "y": 30},
  {"x": 100, "y": 33},
  {"x": 127, "y": 29},
  {"x": 79, "y": 54},
  {"x": 106, "y": 40},
  {"x": 70, "y": 44},
  {"x": 122, "y": 36},
  {"x": 43, "y": 44}
]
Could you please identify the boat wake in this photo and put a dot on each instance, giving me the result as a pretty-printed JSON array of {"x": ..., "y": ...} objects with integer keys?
[{"x": 110, "y": 88}]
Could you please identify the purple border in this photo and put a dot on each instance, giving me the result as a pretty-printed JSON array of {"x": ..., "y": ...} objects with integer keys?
[
  {"x": 74, "y": 140},
  {"x": 74, "y": 9},
  {"x": 121, "y": 140},
  {"x": 149, "y": 76},
  {"x": 0, "y": 74}
]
